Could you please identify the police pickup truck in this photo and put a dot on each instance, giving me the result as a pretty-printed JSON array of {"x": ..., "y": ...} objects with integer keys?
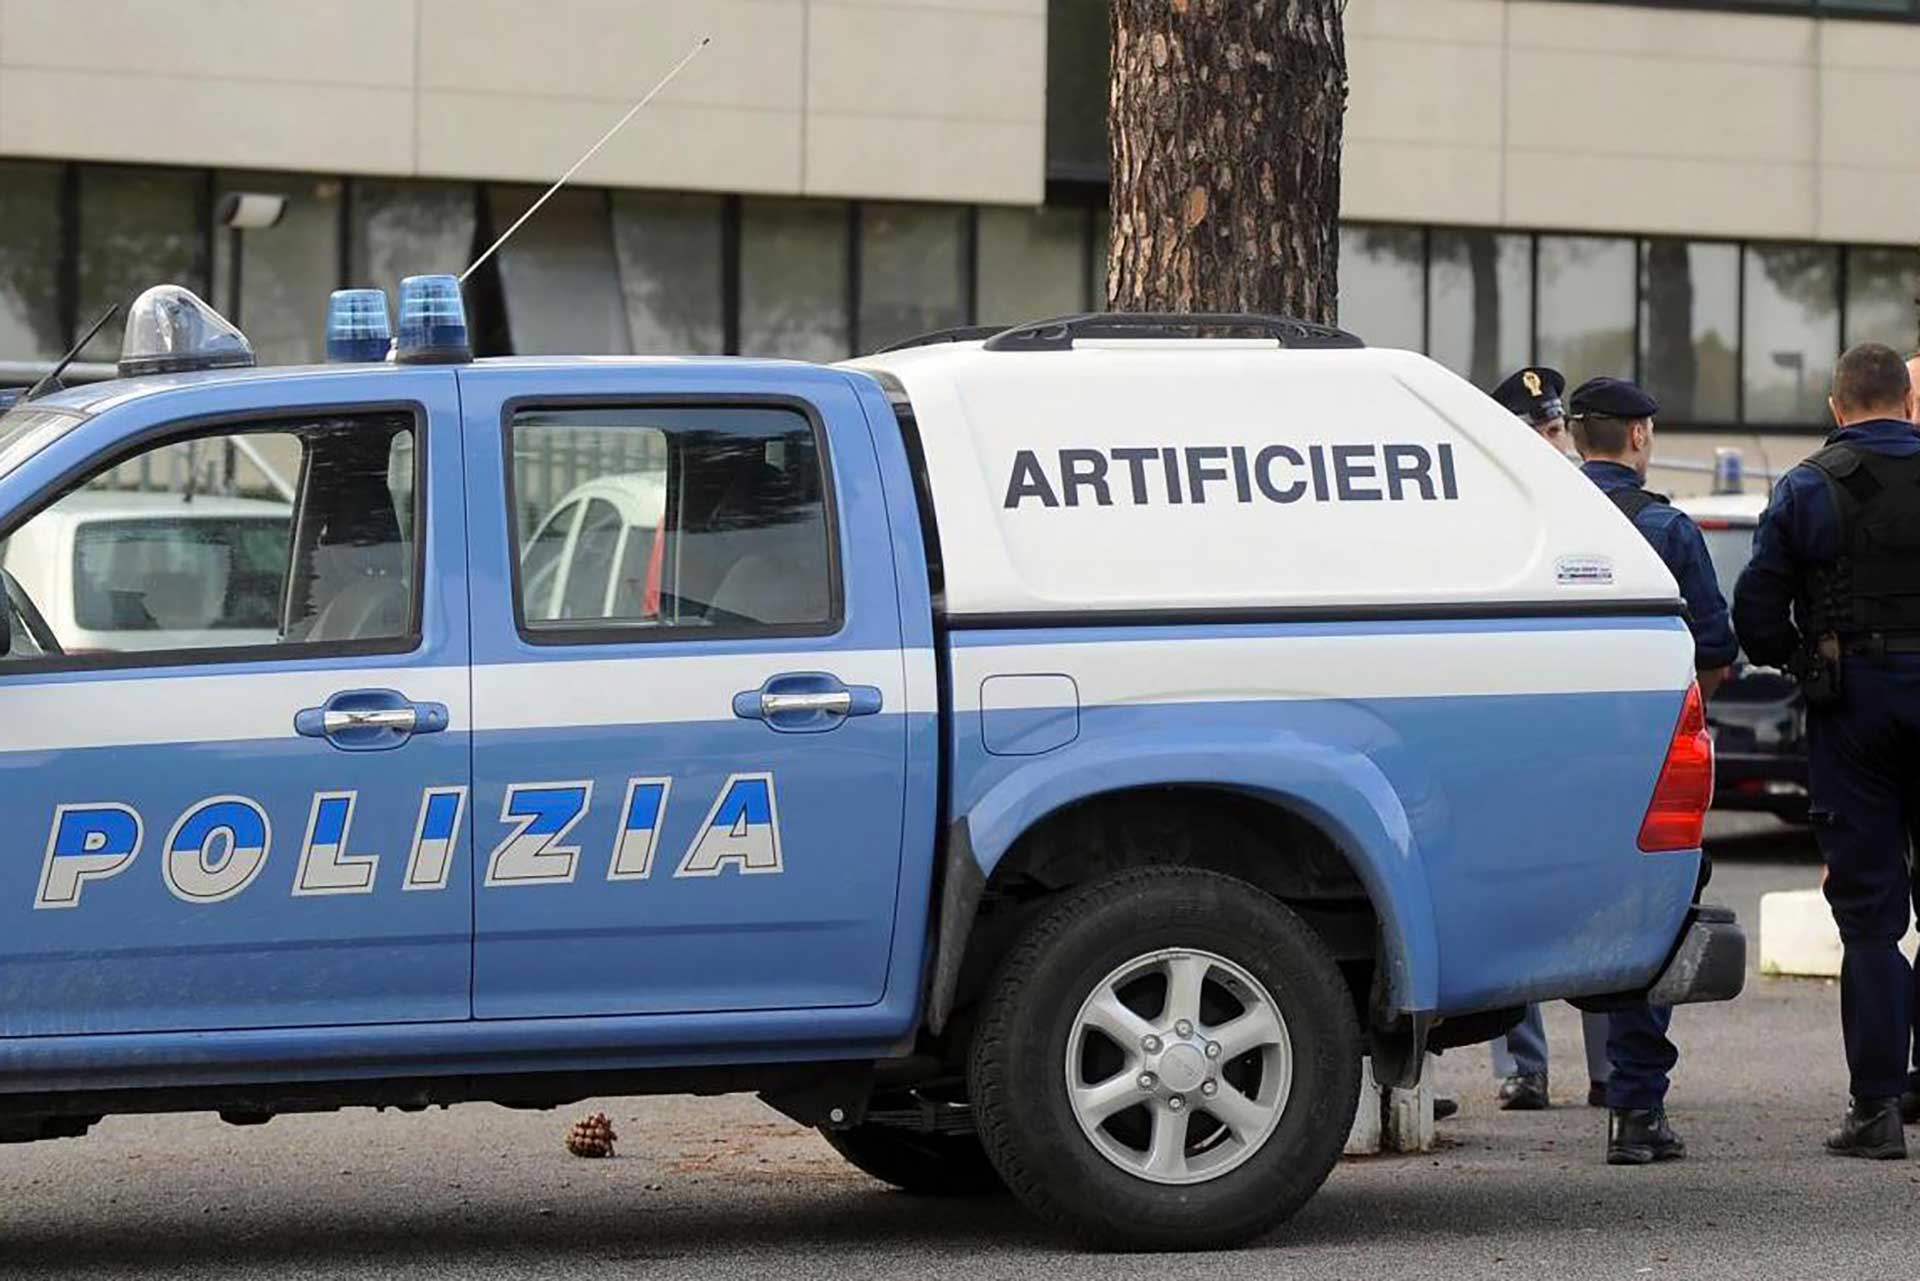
[{"x": 1049, "y": 761}]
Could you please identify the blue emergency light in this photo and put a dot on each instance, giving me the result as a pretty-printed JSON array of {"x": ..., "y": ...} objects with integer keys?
[
  {"x": 357, "y": 326},
  {"x": 433, "y": 322}
]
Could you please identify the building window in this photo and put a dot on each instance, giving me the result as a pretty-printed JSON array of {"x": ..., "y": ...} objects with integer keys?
[
  {"x": 1586, "y": 306},
  {"x": 793, "y": 279},
  {"x": 405, "y": 229},
  {"x": 1690, "y": 329},
  {"x": 913, "y": 271},
  {"x": 669, "y": 249},
  {"x": 138, "y": 228},
  {"x": 558, "y": 275},
  {"x": 286, "y": 270},
  {"x": 1792, "y": 331},
  {"x": 1077, "y": 57},
  {"x": 30, "y": 323},
  {"x": 1033, "y": 264},
  {"x": 1382, "y": 285},
  {"x": 1880, "y": 298},
  {"x": 1480, "y": 303}
]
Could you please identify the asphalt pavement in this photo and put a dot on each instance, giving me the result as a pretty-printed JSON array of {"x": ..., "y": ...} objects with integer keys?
[{"x": 725, "y": 1188}]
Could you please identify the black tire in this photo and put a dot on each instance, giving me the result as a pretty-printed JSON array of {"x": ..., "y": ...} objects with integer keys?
[
  {"x": 932, "y": 1165},
  {"x": 1018, "y": 1065}
]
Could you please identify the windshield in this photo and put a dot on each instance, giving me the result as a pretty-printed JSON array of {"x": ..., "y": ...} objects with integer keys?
[
  {"x": 1728, "y": 547},
  {"x": 25, "y": 431},
  {"x": 179, "y": 574}
]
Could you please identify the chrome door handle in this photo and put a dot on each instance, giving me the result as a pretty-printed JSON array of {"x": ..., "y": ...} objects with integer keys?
[
  {"x": 404, "y": 720},
  {"x": 837, "y": 702}
]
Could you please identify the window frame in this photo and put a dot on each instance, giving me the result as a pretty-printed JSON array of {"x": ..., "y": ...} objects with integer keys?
[
  {"x": 202, "y": 427},
  {"x": 662, "y": 633}
]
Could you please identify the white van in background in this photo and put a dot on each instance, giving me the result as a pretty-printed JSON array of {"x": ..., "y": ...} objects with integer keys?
[{"x": 118, "y": 571}]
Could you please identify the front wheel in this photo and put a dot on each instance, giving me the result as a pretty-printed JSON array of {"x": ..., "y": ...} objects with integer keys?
[{"x": 1167, "y": 1060}]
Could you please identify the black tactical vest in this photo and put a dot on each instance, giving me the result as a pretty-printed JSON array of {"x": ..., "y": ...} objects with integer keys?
[
  {"x": 1873, "y": 587},
  {"x": 1632, "y": 502}
]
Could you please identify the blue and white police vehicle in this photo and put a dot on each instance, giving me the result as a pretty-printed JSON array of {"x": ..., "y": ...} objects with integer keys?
[{"x": 1050, "y": 760}]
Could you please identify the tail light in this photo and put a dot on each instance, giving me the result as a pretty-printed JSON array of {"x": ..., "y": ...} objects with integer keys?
[{"x": 1685, "y": 790}]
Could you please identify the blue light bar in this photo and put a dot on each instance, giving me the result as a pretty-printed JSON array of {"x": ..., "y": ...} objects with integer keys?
[
  {"x": 433, "y": 322},
  {"x": 357, "y": 326}
]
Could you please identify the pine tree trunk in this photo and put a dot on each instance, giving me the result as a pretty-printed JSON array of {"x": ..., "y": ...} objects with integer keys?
[{"x": 1225, "y": 126}]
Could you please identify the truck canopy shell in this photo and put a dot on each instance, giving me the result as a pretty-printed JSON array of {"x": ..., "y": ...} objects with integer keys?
[{"x": 1139, "y": 477}]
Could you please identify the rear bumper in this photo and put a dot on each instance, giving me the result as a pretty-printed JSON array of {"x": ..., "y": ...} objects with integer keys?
[{"x": 1709, "y": 965}]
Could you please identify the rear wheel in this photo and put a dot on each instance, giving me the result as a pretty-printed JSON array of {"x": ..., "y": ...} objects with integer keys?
[
  {"x": 1168, "y": 1059},
  {"x": 945, "y": 1165}
]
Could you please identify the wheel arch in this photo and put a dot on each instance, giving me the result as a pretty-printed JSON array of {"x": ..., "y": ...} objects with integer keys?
[{"x": 1335, "y": 802}]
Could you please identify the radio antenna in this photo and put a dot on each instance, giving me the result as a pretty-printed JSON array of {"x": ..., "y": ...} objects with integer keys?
[{"x": 591, "y": 152}]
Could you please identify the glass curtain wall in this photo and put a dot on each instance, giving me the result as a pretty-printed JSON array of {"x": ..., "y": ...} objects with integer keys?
[
  {"x": 914, "y": 263},
  {"x": 138, "y": 228},
  {"x": 670, "y": 250},
  {"x": 558, "y": 276},
  {"x": 1032, "y": 264},
  {"x": 31, "y": 324},
  {"x": 409, "y": 229},
  {"x": 1690, "y": 328},
  {"x": 280, "y": 308},
  {"x": 1881, "y": 306},
  {"x": 1480, "y": 303},
  {"x": 794, "y": 280},
  {"x": 1383, "y": 285},
  {"x": 1792, "y": 331},
  {"x": 1586, "y": 307}
]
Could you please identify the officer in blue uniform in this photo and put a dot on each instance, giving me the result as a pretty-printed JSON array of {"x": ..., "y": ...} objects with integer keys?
[
  {"x": 1612, "y": 423},
  {"x": 1833, "y": 594},
  {"x": 1534, "y": 395}
]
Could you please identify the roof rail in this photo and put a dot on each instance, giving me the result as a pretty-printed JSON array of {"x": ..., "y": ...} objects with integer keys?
[
  {"x": 1059, "y": 333},
  {"x": 958, "y": 333}
]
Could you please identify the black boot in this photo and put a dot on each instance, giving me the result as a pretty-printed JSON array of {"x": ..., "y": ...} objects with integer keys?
[
  {"x": 1910, "y": 1101},
  {"x": 1871, "y": 1130},
  {"x": 1641, "y": 1136},
  {"x": 1524, "y": 1092}
]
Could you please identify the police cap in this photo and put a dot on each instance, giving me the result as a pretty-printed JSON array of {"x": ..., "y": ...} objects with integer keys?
[
  {"x": 1534, "y": 394},
  {"x": 1612, "y": 398}
]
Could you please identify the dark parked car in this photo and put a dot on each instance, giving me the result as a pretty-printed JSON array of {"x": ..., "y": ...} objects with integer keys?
[{"x": 1758, "y": 721}]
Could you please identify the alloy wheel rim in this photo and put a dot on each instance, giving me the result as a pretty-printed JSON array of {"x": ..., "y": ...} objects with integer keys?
[{"x": 1179, "y": 1066}]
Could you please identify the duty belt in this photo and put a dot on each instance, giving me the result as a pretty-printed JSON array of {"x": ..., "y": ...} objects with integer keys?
[{"x": 1880, "y": 644}]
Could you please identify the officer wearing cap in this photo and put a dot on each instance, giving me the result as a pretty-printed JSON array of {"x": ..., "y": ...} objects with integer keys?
[
  {"x": 1533, "y": 395},
  {"x": 1612, "y": 423},
  {"x": 1833, "y": 593}
]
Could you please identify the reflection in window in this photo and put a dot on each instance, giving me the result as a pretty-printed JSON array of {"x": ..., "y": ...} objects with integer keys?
[
  {"x": 1032, "y": 264},
  {"x": 679, "y": 517},
  {"x": 1481, "y": 303},
  {"x": 138, "y": 228},
  {"x": 669, "y": 251},
  {"x": 1792, "y": 331},
  {"x": 409, "y": 229},
  {"x": 793, "y": 279},
  {"x": 1880, "y": 297},
  {"x": 1690, "y": 329},
  {"x": 1382, "y": 287},
  {"x": 913, "y": 266},
  {"x": 557, "y": 274},
  {"x": 30, "y": 325},
  {"x": 1586, "y": 306},
  {"x": 286, "y": 270}
]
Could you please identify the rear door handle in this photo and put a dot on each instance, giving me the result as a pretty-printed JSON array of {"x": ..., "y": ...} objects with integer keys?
[
  {"x": 370, "y": 720},
  {"x": 806, "y": 702}
]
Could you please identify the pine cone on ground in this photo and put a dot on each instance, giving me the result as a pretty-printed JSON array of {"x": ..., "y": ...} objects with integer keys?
[{"x": 591, "y": 1136}]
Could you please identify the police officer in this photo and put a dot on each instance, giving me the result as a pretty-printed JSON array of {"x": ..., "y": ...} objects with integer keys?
[
  {"x": 1520, "y": 1057},
  {"x": 1612, "y": 423},
  {"x": 1533, "y": 395},
  {"x": 1833, "y": 593}
]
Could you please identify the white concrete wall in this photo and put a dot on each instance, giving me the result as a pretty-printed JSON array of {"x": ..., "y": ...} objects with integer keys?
[
  {"x": 1535, "y": 113},
  {"x": 912, "y": 99}
]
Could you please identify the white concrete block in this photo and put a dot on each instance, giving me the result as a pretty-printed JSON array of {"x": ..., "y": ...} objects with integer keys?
[
  {"x": 1409, "y": 1116},
  {"x": 1364, "y": 1138},
  {"x": 1798, "y": 937}
]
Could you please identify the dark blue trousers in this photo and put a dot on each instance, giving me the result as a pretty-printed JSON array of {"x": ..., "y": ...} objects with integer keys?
[
  {"x": 1864, "y": 769},
  {"x": 1641, "y": 1055}
]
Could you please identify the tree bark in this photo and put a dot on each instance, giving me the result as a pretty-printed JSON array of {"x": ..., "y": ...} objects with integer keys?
[{"x": 1225, "y": 125}]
